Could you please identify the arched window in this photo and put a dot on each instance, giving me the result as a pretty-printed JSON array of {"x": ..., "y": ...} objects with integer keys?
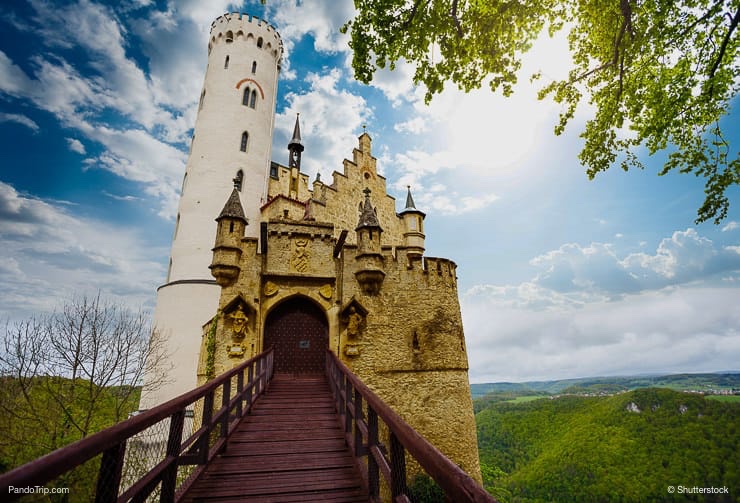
[
  {"x": 226, "y": 63},
  {"x": 254, "y": 67},
  {"x": 245, "y": 138},
  {"x": 259, "y": 42},
  {"x": 229, "y": 37},
  {"x": 253, "y": 99},
  {"x": 238, "y": 180},
  {"x": 245, "y": 97},
  {"x": 177, "y": 227}
]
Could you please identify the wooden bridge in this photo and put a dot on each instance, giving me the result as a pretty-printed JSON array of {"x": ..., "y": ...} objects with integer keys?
[{"x": 274, "y": 438}]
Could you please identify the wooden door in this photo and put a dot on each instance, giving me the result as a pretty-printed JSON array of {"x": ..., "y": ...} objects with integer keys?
[{"x": 299, "y": 332}]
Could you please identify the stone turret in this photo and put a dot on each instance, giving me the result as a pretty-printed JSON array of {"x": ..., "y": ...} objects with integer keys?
[
  {"x": 413, "y": 222},
  {"x": 227, "y": 252},
  {"x": 370, "y": 268}
]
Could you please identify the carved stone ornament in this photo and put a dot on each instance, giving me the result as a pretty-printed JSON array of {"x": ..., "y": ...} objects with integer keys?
[
  {"x": 239, "y": 326},
  {"x": 235, "y": 350},
  {"x": 326, "y": 291},
  {"x": 299, "y": 261},
  {"x": 270, "y": 289},
  {"x": 352, "y": 350}
]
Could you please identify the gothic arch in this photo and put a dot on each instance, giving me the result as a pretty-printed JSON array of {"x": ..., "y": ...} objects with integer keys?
[{"x": 297, "y": 328}]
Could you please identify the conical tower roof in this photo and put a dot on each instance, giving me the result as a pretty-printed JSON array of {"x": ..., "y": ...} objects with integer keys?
[
  {"x": 368, "y": 217},
  {"x": 295, "y": 142},
  {"x": 410, "y": 206},
  {"x": 233, "y": 208}
]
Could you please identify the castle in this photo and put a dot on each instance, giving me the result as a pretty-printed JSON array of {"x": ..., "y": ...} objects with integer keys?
[{"x": 304, "y": 266}]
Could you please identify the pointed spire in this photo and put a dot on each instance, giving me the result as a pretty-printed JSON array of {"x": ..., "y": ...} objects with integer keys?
[
  {"x": 410, "y": 206},
  {"x": 233, "y": 208},
  {"x": 368, "y": 217},
  {"x": 409, "y": 200},
  {"x": 295, "y": 146},
  {"x": 296, "y": 140}
]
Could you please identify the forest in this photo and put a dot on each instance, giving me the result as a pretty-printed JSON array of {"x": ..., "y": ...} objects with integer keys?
[{"x": 630, "y": 446}]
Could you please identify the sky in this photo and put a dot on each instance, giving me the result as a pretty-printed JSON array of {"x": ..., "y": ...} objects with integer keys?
[{"x": 558, "y": 276}]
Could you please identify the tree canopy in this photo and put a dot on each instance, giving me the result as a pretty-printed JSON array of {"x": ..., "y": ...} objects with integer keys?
[{"x": 660, "y": 74}]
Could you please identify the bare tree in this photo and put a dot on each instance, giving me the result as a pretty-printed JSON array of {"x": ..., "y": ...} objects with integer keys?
[{"x": 73, "y": 372}]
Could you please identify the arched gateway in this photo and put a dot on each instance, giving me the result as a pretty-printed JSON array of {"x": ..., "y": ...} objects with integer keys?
[{"x": 299, "y": 332}]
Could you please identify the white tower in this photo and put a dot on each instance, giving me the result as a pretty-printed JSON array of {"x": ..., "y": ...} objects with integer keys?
[{"x": 231, "y": 147}]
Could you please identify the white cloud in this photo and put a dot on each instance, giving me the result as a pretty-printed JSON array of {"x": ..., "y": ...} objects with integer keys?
[
  {"x": 590, "y": 312},
  {"x": 330, "y": 118},
  {"x": 672, "y": 330},
  {"x": 63, "y": 254},
  {"x": 76, "y": 145},
  {"x": 730, "y": 226},
  {"x": 20, "y": 119},
  {"x": 321, "y": 18},
  {"x": 416, "y": 125},
  {"x": 13, "y": 80}
]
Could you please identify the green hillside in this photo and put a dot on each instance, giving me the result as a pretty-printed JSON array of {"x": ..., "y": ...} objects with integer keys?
[
  {"x": 698, "y": 382},
  {"x": 627, "y": 447},
  {"x": 50, "y": 412}
]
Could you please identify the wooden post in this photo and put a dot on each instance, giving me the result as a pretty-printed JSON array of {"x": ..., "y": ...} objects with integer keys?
[
  {"x": 373, "y": 480},
  {"x": 398, "y": 467},
  {"x": 109, "y": 474},
  {"x": 169, "y": 477}
]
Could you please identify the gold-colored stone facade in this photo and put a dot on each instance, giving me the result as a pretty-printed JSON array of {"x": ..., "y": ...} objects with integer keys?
[{"x": 393, "y": 315}]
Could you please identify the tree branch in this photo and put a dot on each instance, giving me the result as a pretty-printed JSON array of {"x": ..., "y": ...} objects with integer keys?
[
  {"x": 725, "y": 41},
  {"x": 453, "y": 14}
]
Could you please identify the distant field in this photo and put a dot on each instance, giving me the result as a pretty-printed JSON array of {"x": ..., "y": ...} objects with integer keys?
[
  {"x": 724, "y": 398},
  {"x": 521, "y": 399},
  {"x": 679, "y": 382}
]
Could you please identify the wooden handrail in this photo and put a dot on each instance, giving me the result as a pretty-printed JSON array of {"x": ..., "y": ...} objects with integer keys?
[
  {"x": 111, "y": 441},
  {"x": 457, "y": 485}
]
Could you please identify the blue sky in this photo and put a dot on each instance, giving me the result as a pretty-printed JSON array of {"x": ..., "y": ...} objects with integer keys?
[{"x": 559, "y": 276}]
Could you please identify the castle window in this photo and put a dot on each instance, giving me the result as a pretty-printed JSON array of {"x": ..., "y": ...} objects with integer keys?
[
  {"x": 245, "y": 97},
  {"x": 254, "y": 67},
  {"x": 226, "y": 63},
  {"x": 229, "y": 37},
  {"x": 245, "y": 137},
  {"x": 231, "y": 226},
  {"x": 253, "y": 99},
  {"x": 259, "y": 42},
  {"x": 238, "y": 180},
  {"x": 202, "y": 99},
  {"x": 273, "y": 171},
  {"x": 177, "y": 226},
  {"x": 184, "y": 181}
]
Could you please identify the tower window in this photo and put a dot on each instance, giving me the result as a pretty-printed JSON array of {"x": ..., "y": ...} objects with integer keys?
[
  {"x": 229, "y": 37},
  {"x": 226, "y": 63},
  {"x": 259, "y": 42},
  {"x": 231, "y": 227},
  {"x": 253, "y": 100},
  {"x": 254, "y": 67},
  {"x": 202, "y": 99},
  {"x": 245, "y": 138},
  {"x": 245, "y": 97},
  {"x": 238, "y": 180}
]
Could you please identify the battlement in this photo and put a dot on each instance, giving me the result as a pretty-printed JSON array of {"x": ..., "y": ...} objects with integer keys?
[{"x": 237, "y": 27}]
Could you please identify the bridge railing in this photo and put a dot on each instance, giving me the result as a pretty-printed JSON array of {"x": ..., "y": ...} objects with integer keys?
[
  {"x": 156, "y": 454},
  {"x": 389, "y": 450}
]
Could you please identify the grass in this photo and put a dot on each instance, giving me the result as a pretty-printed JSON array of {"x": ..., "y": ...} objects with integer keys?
[{"x": 724, "y": 398}]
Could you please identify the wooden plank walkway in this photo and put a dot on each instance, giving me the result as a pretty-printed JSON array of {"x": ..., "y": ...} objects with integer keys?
[{"x": 291, "y": 448}]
